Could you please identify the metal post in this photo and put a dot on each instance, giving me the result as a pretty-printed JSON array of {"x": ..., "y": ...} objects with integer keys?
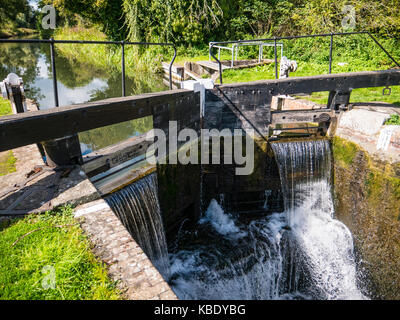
[
  {"x": 262, "y": 52},
  {"x": 219, "y": 63},
  {"x": 123, "y": 67},
  {"x": 170, "y": 68},
  {"x": 236, "y": 49},
  {"x": 53, "y": 70},
  {"x": 276, "y": 60},
  {"x": 233, "y": 50},
  {"x": 330, "y": 54}
]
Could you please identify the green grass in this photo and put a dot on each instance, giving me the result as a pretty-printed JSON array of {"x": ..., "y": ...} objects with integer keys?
[
  {"x": 266, "y": 72},
  {"x": 50, "y": 262},
  {"x": 7, "y": 162},
  {"x": 108, "y": 56},
  {"x": 5, "y": 107},
  {"x": 7, "y": 159},
  {"x": 362, "y": 95},
  {"x": 394, "y": 119}
]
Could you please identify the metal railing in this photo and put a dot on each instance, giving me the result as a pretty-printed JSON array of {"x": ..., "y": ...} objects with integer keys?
[
  {"x": 235, "y": 49},
  {"x": 275, "y": 39},
  {"x": 52, "y": 42}
]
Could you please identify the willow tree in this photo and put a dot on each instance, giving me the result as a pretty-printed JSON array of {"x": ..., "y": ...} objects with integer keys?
[{"x": 189, "y": 22}]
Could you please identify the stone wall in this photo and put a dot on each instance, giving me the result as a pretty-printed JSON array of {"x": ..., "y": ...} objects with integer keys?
[
  {"x": 367, "y": 197},
  {"x": 136, "y": 276}
]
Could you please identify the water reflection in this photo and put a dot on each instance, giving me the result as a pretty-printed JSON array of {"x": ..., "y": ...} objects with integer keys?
[{"x": 77, "y": 83}]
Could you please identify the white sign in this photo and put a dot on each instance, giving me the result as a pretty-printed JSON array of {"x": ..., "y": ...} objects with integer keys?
[{"x": 384, "y": 138}]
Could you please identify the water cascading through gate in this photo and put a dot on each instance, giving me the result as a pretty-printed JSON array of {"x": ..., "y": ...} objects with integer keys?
[
  {"x": 138, "y": 208},
  {"x": 299, "y": 254}
]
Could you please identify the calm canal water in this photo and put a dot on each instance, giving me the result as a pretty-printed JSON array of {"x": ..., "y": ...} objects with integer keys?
[{"x": 77, "y": 83}]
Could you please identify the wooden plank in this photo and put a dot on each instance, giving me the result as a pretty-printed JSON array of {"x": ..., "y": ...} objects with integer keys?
[
  {"x": 330, "y": 82},
  {"x": 175, "y": 75},
  {"x": 31, "y": 127},
  {"x": 175, "y": 79},
  {"x": 175, "y": 69},
  {"x": 281, "y": 117},
  {"x": 174, "y": 83},
  {"x": 192, "y": 74},
  {"x": 251, "y": 64},
  {"x": 211, "y": 65}
]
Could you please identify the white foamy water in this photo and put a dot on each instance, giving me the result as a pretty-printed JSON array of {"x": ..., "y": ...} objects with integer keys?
[
  {"x": 302, "y": 253},
  {"x": 326, "y": 244},
  {"x": 219, "y": 272},
  {"x": 221, "y": 222},
  {"x": 138, "y": 208}
]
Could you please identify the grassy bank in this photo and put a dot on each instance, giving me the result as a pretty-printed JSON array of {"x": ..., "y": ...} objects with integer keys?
[
  {"x": 7, "y": 162},
  {"x": 7, "y": 32},
  {"x": 7, "y": 159},
  {"x": 5, "y": 107},
  {"x": 137, "y": 59},
  {"x": 47, "y": 256}
]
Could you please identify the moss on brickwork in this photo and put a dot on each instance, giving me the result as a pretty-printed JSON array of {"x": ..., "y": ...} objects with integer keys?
[
  {"x": 344, "y": 151},
  {"x": 367, "y": 199}
]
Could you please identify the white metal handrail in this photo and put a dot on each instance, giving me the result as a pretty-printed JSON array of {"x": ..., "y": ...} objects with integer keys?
[{"x": 235, "y": 49}]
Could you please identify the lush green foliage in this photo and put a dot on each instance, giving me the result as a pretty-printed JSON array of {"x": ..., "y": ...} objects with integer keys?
[
  {"x": 105, "y": 56},
  {"x": 107, "y": 14},
  {"x": 194, "y": 22},
  {"x": 189, "y": 21},
  {"x": 15, "y": 17},
  {"x": 200, "y": 21},
  {"x": 31, "y": 247},
  {"x": 394, "y": 119}
]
